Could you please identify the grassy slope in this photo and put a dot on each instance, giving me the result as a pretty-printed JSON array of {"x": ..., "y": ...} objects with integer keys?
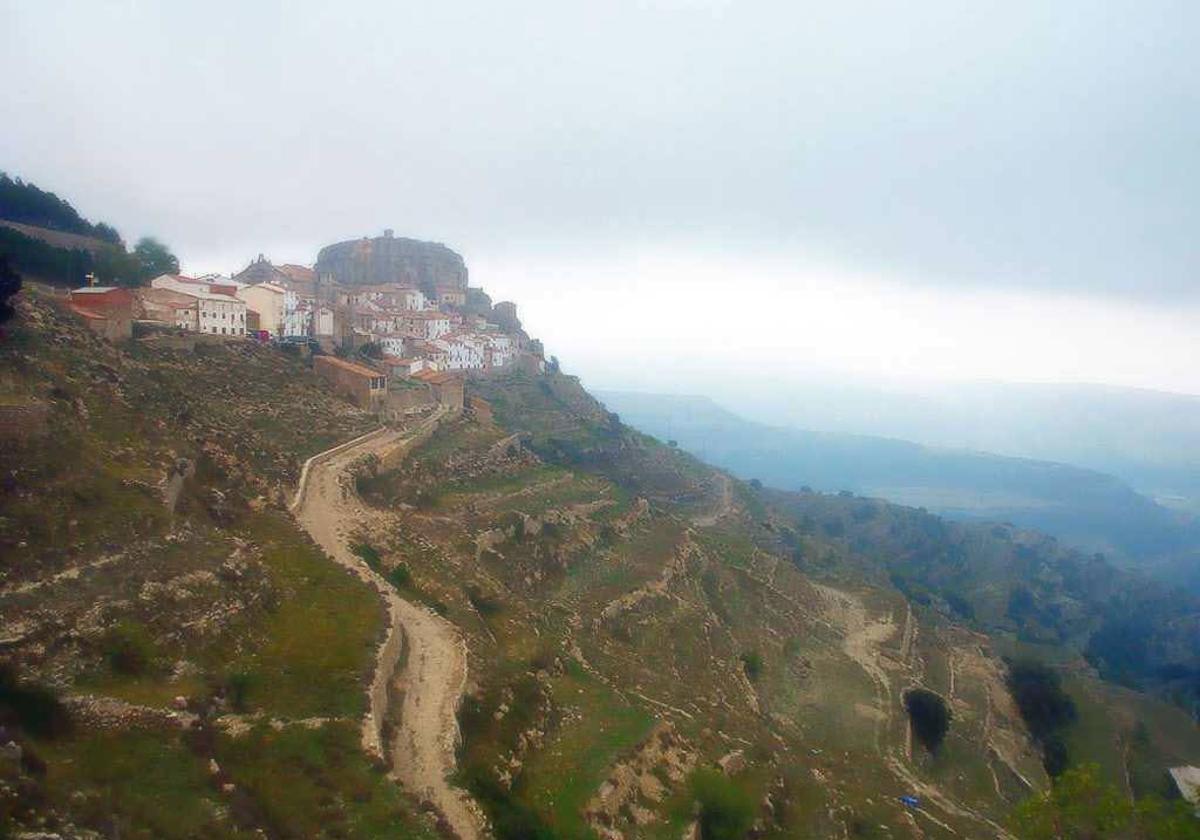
[{"x": 227, "y": 591}]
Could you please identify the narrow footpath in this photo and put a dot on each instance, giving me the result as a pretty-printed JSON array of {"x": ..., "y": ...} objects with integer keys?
[{"x": 422, "y": 663}]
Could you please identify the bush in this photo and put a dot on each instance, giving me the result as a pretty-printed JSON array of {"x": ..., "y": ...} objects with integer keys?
[
  {"x": 129, "y": 648},
  {"x": 753, "y": 664},
  {"x": 929, "y": 716},
  {"x": 400, "y": 577},
  {"x": 1045, "y": 707},
  {"x": 237, "y": 690},
  {"x": 33, "y": 708},
  {"x": 368, "y": 554},
  {"x": 484, "y": 604},
  {"x": 726, "y": 809}
]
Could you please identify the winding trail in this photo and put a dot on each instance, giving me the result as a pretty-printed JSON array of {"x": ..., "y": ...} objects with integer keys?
[
  {"x": 421, "y": 666},
  {"x": 861, "y": 641},
  {"x": 724, "y": 505}
]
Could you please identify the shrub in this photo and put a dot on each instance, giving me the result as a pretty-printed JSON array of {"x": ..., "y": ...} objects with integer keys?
[
  {"x": 368, "y": 554},
  {"x": 929, "y": 715},
  {"x": 237, "y": 690},
  {"x": 752, "y": 663},
  {"x": 483, "y": 603},
  {"x": 128, "y": 648},
  {"x": 1045, "y": 707},
  {"x": 726, "y": 809},
  {"x": 34, "y": 708},
  {"x": 400, "y": 577}
]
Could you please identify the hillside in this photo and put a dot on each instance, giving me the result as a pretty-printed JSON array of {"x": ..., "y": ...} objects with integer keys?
[
  {"x": 1082, "y": 507},
  {"x": 633, "y": 616},
  {"x": 651, "y": 647},
  {"x": 210, "y": 658}
]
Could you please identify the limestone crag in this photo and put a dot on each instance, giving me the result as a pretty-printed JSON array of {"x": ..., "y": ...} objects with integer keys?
[{"x": 391, "y": 259}]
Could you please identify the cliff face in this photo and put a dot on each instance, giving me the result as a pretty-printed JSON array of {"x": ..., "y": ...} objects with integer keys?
[{"x": 391, "y": 259}]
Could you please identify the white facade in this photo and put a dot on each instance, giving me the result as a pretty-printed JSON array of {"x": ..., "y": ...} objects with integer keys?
[
  {"x": 216, "y": 313},
  {"x": 463, "y": 352},
  {"x": 392, "y": 345},
  {"x": 221, "y": 314},
  {"x": 413, "y": 300},
  {"x": 297, "y": 319},
  {"x": 322, "y": 321},
  {"x": 427, "y": 326}
]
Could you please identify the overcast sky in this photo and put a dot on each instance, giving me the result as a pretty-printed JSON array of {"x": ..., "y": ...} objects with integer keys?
[{"x": 932, "y": 190}]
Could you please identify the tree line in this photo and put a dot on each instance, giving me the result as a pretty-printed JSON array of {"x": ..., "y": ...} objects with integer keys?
[{"x": 111, "y": 263}]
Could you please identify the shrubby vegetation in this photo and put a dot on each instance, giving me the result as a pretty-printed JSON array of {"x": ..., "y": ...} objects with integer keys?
[
  {"x": 929, "y": 715},
  {"x": 1079, "y": 805},
  {"x": 30, "y": 707},
  {"x": 10, "y": 284},
  {"x": 1046, "y": 708},
  {"x": 726, "y": 809}
]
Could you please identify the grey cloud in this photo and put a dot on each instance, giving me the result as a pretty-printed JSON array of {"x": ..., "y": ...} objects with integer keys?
[{"x": 1021, "y": 144}]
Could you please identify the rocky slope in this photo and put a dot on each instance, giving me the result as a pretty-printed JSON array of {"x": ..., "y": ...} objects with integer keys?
[{"x": 210, "y": 662}]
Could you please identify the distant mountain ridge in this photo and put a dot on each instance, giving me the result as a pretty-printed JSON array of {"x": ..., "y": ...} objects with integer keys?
[
  {"x": 1149, "y": 438},
  {"x": 1086, "y": 508}
]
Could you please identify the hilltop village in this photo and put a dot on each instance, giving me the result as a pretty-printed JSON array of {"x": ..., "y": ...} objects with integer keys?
[{"x": 390, "y": 322}]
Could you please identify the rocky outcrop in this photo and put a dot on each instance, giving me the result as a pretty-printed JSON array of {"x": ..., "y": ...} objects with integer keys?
[{"x": 392, "y": 259}]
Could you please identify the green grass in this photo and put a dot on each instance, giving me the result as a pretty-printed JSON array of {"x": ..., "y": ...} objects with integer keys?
[
  {"x": 317, "y": 783},
  {"x": 143, "y": 784},
  {"x": 562, "y": 777},
  {"x": 315, "y": 647}
]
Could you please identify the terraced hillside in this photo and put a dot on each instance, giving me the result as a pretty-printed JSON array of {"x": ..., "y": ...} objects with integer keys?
[
  {"x": 635, "y": 618},
  {"x": 654, "y": 649},
  {"x": 210, "y": 660}
]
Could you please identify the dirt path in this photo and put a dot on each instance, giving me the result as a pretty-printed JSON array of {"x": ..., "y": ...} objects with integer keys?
[
  {"x": 724, "y": 505},
  {"x": 861, "y": 641},
  {"x": 430, "y": 681}
]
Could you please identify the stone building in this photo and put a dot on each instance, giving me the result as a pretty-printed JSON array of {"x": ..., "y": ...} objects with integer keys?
[
  {"x": 362, "y": 385},
  {"x": 447, "y": 387}
]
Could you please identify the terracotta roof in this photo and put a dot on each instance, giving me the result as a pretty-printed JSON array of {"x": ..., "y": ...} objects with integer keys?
[
  {"x": 361, "y": 370},
  {"x": 436, "y": 377}
]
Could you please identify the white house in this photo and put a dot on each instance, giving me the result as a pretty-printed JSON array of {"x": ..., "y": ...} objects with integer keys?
[
  {"x": 217, "y": 313},
  {"x": 322, "y": 320},
  {"x": 406, "y": 366},
  {"x": 221, "y": 314},
  {"x": 500, "y": 350},
  {"x": 463, "y": 351},
  {"x": 427, "y": 325},
  {"x": 413, "y": 300},
  {"x": 392, "y": 345},
  {"x": 297, "y": 319}
]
